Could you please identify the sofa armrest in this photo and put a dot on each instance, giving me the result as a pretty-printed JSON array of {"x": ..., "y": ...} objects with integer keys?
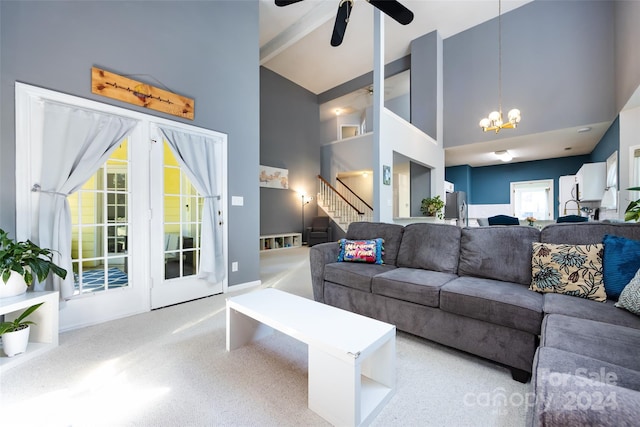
[{"x": 319, "y": 256}]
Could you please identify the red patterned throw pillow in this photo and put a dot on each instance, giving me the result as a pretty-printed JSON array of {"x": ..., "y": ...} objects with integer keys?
[{"x": 368, "y": 251}]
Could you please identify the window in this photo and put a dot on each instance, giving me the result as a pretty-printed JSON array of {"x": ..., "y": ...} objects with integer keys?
[{"x": 532, "y": 199}]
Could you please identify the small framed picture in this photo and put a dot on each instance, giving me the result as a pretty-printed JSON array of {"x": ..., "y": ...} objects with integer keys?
[{"x": 386, "y": 175}]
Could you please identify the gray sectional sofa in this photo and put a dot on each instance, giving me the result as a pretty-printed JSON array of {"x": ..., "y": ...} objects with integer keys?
[{"x": 468, "y": 288}]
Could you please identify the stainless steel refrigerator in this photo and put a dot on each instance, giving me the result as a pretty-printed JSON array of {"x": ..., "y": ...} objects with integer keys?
[{"x": 456, "y": 207}]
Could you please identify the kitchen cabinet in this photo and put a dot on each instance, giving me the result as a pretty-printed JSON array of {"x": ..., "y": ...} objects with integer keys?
[{"x": 592, "y": 180}]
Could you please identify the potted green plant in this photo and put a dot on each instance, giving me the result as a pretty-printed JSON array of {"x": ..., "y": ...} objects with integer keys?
[
  {"x": 632, "y": 213},
  {"x": 432, "y": 206},
  {"x": 20, "y": 262},
  {"x": 15, "y": 334}
]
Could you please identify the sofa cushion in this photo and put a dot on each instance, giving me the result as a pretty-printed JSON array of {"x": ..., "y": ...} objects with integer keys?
[
  {"x": 503, "y": 303},
  {"x": 354, "y": 275},
  {"x": 549, "y": 360},
  {"x": 367, "y": 251},
  {"x": 430, "y": 247},
  {"x": 587, "y": 309},
  {"x": 621, "y": 261},
  {"x": 610, "y": 343},
  {"x": 500, "y": 253},
  {"x": 411, "y": 284},
  {"x": 564, "y": 397},
  {"x": 583, "y": 233},
  {"x": 391, "y": 233},
  {"x": 630, "y": 296},
  {"x": 568, "y": 269}
]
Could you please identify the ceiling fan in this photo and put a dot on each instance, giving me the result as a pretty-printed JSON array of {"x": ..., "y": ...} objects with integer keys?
[{"x": 392, "y": 8}]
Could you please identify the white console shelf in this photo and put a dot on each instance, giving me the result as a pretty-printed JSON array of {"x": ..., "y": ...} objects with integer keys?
[
  {"x": 43, "y": 335},
  {"x": 280, "y": 241}
]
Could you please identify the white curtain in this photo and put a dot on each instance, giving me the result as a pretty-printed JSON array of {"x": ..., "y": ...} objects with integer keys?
[
  {"x": 76, "y": 142},
  {"x": 197, "y": 157}
]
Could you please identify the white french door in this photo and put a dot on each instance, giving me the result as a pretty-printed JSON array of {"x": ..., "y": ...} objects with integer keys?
[
  {"x": 138, "y": 219},
  {"x": 177, "y": 215}
]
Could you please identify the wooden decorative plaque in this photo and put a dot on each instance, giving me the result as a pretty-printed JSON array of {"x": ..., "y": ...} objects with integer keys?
[{"x": 133, "y": 92}]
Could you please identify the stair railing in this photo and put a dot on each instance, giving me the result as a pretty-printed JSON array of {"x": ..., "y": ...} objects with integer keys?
[
  {"x": 353, "y": 198},
  {"x": 338, "y": 207}
]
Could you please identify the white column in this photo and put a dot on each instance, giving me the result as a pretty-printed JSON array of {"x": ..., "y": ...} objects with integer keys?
[{"x": 378, "y": 105}]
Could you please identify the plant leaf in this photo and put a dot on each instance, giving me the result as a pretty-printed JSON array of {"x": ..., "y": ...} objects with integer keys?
[{"x": 27, "y": 312}]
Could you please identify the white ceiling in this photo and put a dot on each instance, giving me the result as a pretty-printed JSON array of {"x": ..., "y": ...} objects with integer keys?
[{"x": 294, "y": 42}]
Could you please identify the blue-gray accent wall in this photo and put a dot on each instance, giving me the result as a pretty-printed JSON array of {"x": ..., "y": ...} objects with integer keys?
[
  {"x": 289, "y": 139},
  {"x": 184, "y": 45},
  {"x": 609, "y": 143},
  {"x": 558, "y": 61},
  {"x": 420, "y": 187},
  {"x": 424, "y": 83}
]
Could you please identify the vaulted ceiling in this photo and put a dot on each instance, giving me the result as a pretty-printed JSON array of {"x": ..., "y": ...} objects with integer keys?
[{"x": 294, "y": 42}]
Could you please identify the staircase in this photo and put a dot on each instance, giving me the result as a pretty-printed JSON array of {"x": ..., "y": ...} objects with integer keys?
[{"x": 341, "y": 204}]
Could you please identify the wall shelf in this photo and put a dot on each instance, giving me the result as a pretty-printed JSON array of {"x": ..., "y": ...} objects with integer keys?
[
  {"x": 280, "y": 241},
  {"x": 44, "y": 334}
]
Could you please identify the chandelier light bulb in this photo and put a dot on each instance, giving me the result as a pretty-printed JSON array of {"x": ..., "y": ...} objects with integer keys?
[
  {"x": 485, "y": 123},
  {"x": 514, "y": 116},
  {"x": 494, "y": 116}
]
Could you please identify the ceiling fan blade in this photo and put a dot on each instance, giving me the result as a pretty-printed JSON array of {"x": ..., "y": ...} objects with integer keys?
[
  {"x": 394, "y": 9},
  {"x": 342, "y": 19},
  {"x": 286, "y": 2}
]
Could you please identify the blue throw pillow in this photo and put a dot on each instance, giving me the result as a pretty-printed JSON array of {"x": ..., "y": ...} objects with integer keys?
[{"x": 620, "y": 263}]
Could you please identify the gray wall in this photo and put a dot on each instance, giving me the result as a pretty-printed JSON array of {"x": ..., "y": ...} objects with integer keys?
[
  {"x": 558, "y": 57},
  {"x": 185, "y": 45},
  {"x": 420, "y": 186},
  {"x": 289, "y": 139},
  {"x": 424, "y": 83},
  {"x": 353, "y": 154},
  {"x": 400, "y": 105}
]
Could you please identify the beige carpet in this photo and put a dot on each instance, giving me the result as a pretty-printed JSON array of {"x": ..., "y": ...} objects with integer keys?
[{"x": 170, "y": 368}]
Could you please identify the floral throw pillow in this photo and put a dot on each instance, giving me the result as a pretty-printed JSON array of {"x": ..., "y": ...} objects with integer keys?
[
  {"x": 630, "y": 296},
  {"x": 568, "y": 269},
  {"x": 368, "y": 251}
]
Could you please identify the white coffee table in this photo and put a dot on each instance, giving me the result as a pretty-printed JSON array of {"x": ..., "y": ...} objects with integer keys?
[{"x": 351, "y": 357}]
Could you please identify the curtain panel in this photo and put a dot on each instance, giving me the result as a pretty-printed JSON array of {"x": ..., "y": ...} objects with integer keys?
[
  {"x": 196, "y": 155},
  {"x": 76, "y": 143}
]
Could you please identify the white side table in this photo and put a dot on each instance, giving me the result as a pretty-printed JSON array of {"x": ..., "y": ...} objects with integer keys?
[{"x": 44, "y": 334}]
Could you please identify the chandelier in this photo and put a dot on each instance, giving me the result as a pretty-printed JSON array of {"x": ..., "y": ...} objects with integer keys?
[{"x": 495, "y": 121}]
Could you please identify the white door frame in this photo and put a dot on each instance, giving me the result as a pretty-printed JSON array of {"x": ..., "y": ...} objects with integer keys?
[{"x": 96, "y": 307}]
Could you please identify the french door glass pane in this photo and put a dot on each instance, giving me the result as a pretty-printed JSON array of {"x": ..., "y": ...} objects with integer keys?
[
  {"x": 100, "y": 226},
  {"x": 182, "y": 220}
]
